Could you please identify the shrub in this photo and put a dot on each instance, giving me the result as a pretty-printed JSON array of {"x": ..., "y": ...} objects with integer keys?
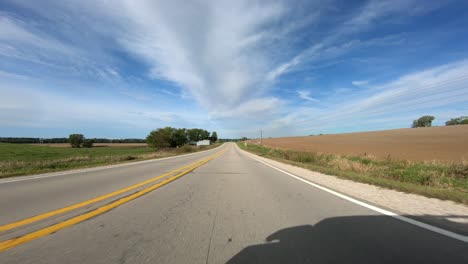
[
  {"x": 75, "y": 140},
  {"x": 88, "y": 143},
  {"x": 186, "y": 149},
  {"x": 129, "y": 158}
]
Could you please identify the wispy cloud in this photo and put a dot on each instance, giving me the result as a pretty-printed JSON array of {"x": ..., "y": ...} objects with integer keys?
[
  {"x": 306, "y": 95},
  {"x": 15, "y": 32},
  {"x": 337, "y": 41},
  {"x": 231, "y": 62},
  {"x": 26, "y": 108},
  {"x": 255, "y": 108},
  {"x": 424, "y": 90},
  {"x": 203, "y": 47},
  {"x": 23, "y": 42}
]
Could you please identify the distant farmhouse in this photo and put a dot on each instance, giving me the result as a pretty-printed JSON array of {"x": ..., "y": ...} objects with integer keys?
[{"x": 205, "y": 142}]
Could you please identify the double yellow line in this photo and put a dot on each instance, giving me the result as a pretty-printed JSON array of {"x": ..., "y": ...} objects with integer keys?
[{"x": 7, "y": 244}]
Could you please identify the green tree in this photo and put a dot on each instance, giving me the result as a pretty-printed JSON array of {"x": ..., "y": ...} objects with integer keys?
[
  {"x": 197, "y": 134},
  {"x": 179, "y": 137},
  {"x": 175, "y": 137},
  {"x": 88, "y": 143},
  {"x": 75, "y": 140},
  {"x": 160, "y": 138},
  {"x": 192, "y": 134},
  {"x": 214, "y": 136},
  {"x": 204, "y": 134},
  {"x": 423, "y": 121},
  {"x": 462, "y": 120}
]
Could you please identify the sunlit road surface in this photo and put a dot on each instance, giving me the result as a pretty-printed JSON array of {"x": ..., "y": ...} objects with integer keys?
[{"x": 218, "y": 206}]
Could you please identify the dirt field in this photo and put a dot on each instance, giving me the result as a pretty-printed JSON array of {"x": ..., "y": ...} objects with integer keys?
[
  {"x": 66, "y": 145},
  {"x": 448, "y": 144}
]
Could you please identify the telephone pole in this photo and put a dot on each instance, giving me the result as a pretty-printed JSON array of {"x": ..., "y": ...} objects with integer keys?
[{"x": 261, "y": 137}]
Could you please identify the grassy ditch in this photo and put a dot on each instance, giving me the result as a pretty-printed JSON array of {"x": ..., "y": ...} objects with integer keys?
[
  {"x": 443, "y": 181},
  {"x": 24, "y": 159}
]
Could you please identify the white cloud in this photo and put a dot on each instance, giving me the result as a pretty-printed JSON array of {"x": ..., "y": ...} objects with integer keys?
[
  {"x": 224, "y": 54},
  {"x": 337, "y": 41},
  {"x": 25, "y": 107},
  {"x": 17, "y": 40},
  {"x": 375, "y": 9},
  {"x": 283, "y": 68},
  {"x": 215, "y": 50},
  {"x": 250, "y": 109},
  {"x": 219, "y": 52},
  {"x": 424, "y": 90},
  {"x": 36, "y": 50},
  {"x": 304, "y": 94}
]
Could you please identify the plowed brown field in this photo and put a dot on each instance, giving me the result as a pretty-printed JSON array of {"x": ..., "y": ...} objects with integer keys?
[{"x": 448, "y": 144}]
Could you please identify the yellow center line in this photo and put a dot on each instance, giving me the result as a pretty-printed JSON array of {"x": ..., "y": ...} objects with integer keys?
[
  {"x": 7, "y": 244},
  {"x": 91, "y": 201}
]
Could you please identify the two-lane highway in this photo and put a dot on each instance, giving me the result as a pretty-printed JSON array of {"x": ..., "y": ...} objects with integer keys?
[
  {"x": 223, "y": 207},
  {"x": 26, "y": 196}
]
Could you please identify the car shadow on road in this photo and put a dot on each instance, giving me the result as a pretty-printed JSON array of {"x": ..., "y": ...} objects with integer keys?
[{"x": 355, "y": 239}]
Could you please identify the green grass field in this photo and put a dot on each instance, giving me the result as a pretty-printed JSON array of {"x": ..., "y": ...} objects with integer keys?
[
  {"x": 23, "y": 159},
  {"x": 443, "y": 181}
]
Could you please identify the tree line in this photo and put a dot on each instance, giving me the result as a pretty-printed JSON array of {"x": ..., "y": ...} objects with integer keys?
[
  {"x": 169, "y": 137},
  {"x": 462, "y": 120},
  {"x": 28, "y": 140},
  {"x": 232, "y": 139},
  {"x": 426, "y": 121}
]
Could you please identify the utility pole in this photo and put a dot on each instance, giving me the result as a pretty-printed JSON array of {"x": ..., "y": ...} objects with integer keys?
[{"x": 261, "y": 136}]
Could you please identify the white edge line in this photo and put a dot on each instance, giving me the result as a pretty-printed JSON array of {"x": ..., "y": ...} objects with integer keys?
[
  {"x": 84, "y": 170},
  {"x": 372, "y": 207}
]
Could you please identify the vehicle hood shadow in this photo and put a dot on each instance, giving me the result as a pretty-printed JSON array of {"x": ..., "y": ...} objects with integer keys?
[{"x": 355, "y": 239}]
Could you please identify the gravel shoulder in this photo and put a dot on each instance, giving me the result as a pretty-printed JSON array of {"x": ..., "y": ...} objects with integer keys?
[{"x": 445, "y": 214}]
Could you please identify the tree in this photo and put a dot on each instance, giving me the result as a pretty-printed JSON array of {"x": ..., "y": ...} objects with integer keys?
[
  {"x": 160, "y": 138},
  {"x": 197, "y": 134},
  {"x": 214, "y": 136},
  {"x": 204, "y": 134},
  {"x": 462, "y": 120},
  {"x": 423, "y": 121},
  {"x": 88, "y": 143},
  {"x": 75, "y": 140},
  {"x": 192, "y": 134},
  {"x": 178, "y": 137},
  {"x": 175, "y": 137}
]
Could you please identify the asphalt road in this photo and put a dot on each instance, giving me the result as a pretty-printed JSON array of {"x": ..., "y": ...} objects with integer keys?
[{"x": 232, "y": 209}]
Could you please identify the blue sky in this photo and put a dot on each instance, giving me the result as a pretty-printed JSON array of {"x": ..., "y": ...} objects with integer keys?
[{"x": 121, "y": 68}]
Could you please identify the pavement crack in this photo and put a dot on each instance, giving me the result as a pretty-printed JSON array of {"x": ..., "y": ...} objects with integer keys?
[{"x": 213, "y": 225}]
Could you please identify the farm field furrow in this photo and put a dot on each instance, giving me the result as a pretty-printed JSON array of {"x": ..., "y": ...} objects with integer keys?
[{"x": 443, "y": 144}]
